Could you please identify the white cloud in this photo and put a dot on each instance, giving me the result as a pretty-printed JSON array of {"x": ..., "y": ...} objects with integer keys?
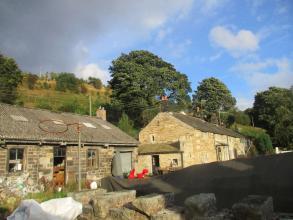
[
  {"x": 215, "y": 57},
  {"x": 178, "y": 49},
  {"x": 162, "y": 33},
  {"x": 211, "y": 6},
  {"x": 242, "y": 42},
  {"x": 244, "y": 103},
  {"x": 263, "y": 74},
  {"x": 92, "y": 69}
]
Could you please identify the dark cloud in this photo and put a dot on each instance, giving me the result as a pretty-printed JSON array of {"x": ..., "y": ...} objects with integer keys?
[{"x": 59, "y": 35}]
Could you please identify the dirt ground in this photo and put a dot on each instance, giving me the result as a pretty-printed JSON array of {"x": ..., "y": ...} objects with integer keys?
[{"x": 230, "y": 181}]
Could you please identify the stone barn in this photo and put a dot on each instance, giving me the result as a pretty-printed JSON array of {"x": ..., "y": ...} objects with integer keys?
[
  {"x": 191, "y": 141},
  {"x": 25, "y": 148}
]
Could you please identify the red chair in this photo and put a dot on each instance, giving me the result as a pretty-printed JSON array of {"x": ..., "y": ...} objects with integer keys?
[
  {"x": 142, "y": 174},
  {"x": 131, "y": 174}
]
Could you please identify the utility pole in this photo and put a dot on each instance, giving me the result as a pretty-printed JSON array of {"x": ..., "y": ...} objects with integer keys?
[
  {"x": 90, "y": 102},
  {"x": 79, "y": 145}
]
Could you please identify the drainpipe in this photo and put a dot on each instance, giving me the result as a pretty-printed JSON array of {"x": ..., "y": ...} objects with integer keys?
[{"x": 181, "y": 153}]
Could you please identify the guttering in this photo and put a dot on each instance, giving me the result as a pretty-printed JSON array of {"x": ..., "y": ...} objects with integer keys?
[{"x": 58, "y": 142}]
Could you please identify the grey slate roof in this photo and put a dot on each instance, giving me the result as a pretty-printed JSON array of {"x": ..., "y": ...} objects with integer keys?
[
  {"x": 11, "y": 129},
  {"x": 205, "y": 126}
]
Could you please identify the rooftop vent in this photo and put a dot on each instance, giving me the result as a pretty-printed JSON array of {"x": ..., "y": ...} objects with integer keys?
[{"x": 18, "y": 118}]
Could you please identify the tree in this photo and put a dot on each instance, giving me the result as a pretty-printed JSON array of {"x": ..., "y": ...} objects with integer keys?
[
  {"x": 126, "y": 125},
  {"x": 95, "y": 82},
  {"x": 10, "y": 77},
  {"x": 67, "y": 81},
  {"x": 140, "y": 78},
  {"x": 273, "y": 111},
  {"x": 212, "y": 96},
  {"x": 31, "y": 80},
  {"x": 235, "y": 116}
]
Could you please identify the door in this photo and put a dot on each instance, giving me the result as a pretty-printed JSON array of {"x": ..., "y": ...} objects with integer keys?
[
  {"x": 59, "y": 166},
  {"x": 126, "y": 161}
]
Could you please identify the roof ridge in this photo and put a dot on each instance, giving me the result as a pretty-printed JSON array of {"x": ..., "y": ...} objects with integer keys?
[{"x": 47, "y": 110}]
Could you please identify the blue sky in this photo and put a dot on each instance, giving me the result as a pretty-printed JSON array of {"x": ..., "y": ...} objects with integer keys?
[{"x": 246, "y": 44}]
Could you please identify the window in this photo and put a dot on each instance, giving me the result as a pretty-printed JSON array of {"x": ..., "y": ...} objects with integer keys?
[
  {"x": 15, "y": 162},
  {"x": 92, "y": 158},
  {"x": 89, "y": 125},
  {"x": 152, "y": 137},
  {"x": 174, "y": 163},
  {"x": 18, "y": 118}
]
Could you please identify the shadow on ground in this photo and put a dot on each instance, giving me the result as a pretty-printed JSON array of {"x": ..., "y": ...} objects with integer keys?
[{"x": 230, "y": 181}]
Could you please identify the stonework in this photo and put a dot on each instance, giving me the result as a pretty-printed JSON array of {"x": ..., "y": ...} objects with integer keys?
[
  {"x": 197, "y": 146},
  {"x": 38, "y": 162}
]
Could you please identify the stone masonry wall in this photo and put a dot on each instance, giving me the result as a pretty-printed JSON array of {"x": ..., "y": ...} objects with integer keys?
[
  {"x": 103, "y": 169},
  {"x": 145, "y": 161},
  {"x": 165, "y": 129},
  {"x": 37, "y": 161},
  {"x": 3, "y": 162},
  {"x": 198, "y": 147}
]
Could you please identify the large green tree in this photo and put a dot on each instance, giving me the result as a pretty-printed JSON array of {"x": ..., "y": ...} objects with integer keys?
[
  {"x": 273, "y": 111},
  {"x": 95, "y": 82},
  {"x": 10, "y": 77},
  {"x": 211, "y": 96},
  {"x": 140, "y": 78},
  {"x": 67, "y": 81}
]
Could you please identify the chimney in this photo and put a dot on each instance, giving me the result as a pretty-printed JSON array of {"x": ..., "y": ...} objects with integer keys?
[{"x": 101, "y": 113}]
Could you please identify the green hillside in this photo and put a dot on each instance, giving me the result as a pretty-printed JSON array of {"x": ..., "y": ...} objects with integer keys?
[{"x": 45, "y": 96}]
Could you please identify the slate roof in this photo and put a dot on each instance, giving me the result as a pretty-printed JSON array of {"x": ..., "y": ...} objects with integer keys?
[
  {"x": 205, "y": 126},
  {"x": 13, "y": 127},
  {"x": 157, "y": 149}
]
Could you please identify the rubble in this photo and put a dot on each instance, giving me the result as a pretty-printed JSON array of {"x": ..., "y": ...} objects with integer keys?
[
  {"x": 124, "y": 206},
  {"x": 200, "y": 205},
  {"x": 153, "y": 203},
  {"x": 86, "y": 196},
  {"x": 103, "y": 202},
  {"x": 18, "y": 186},
  {"x": 254, "y": 207},
  {"x": 126, "y": 214},
  {"x": 172, "y": 213}
]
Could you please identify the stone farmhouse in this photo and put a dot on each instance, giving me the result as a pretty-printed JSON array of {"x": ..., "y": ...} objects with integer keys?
[
  {"x": 24, "y": 147},
  {"x": 175, "y": 140}
]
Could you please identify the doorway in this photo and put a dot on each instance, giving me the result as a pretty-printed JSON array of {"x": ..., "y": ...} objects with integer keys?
[
  {"x": 59, "y": 166},
  {"x": 156, "y": 164}
]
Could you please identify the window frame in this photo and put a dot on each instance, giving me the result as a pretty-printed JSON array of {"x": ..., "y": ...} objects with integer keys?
[
  {"x": 92, "y": 165},
  {"x": 16, "y": 160}
]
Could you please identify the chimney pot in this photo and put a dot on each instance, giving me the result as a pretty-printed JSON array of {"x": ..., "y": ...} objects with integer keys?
[{"x": 101, "y": 113}]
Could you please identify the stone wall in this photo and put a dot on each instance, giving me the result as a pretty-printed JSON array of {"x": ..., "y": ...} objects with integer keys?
[
  {"x": 38, "y": 162},
  {"x": 105, "y": 156},
  {"x": 165, "y": 129},
  {"x": 3, "y": 161},
  {"x": 198, "y": 147},
  {"x": 145, "y": 161}
]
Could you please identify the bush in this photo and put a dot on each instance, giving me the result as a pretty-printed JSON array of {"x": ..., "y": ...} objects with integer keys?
[
  {"x": 73, "y": 106},
  {"x": 263, "y": 143},
  {"x": 260, "y": 138},
  {"x": 67, "y": 81},
  {"x": 43, "y": 104}
]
